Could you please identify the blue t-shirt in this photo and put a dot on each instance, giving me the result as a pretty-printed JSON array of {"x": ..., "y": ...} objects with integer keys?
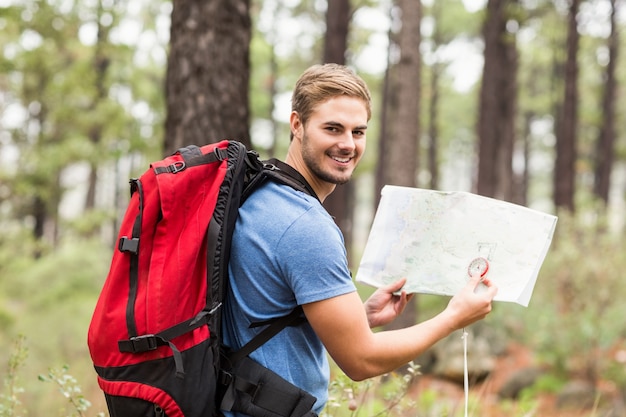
[{"x": 286, "y": 251}]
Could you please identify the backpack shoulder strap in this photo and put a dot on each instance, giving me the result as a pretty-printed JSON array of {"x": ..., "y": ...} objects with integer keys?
[
  {"x": 295, "y": 317},
  {"x": 285, "y": 173}
]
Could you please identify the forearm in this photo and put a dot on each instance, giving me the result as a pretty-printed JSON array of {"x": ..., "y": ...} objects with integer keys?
[
  {"x": 386, "y": 351},
  {"x": 343, "y": 326}
]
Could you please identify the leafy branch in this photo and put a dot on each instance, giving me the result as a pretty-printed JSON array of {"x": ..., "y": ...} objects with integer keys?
[
  {"x": 9, "y": 401},
  {"x": 69, "y": 387}
]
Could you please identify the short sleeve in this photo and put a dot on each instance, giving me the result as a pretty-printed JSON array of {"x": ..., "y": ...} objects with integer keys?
[{"x": 312, "y": 256}]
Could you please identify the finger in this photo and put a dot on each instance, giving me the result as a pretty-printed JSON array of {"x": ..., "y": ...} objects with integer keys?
[
  {"x": 395, "y": 286},
  {"x": 401, "y": 301},
  {"x": 474, "y": 280},
  {"x": 492, "y": 290}
]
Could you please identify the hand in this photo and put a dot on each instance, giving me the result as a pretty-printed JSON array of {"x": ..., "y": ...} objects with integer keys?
[
  {"x": 384, "y": 306},
  {"x": 469, "y": 306}
]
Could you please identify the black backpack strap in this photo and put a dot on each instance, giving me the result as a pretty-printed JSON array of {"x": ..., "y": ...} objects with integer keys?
[
  {"x": 253, "y": 389},
  {"x": 285, "y": 173},
  {"x": 250, "y": 388},
  {"x": 150, "y": 342},
  {"x": 274, "y": 327},
  {"x": 131, "y": 245},
  {"x": 192, "y": 156}
]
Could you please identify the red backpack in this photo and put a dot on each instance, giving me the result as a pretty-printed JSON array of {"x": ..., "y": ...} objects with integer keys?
[{"x": 154, "y": 337}]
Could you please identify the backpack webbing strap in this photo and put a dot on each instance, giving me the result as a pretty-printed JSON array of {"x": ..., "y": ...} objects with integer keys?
[
  {"x": 131, "y": 245},
  {"x": 285, "y": 173},
  {"x": 192, "y": 156},
  {"x": 150, "y": 342},
  {"x": 281, "y": 172},
  {"x": 274, "y": 327}
]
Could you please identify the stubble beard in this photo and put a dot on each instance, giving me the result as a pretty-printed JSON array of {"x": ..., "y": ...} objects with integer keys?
[{"x": 308, "y": 156}]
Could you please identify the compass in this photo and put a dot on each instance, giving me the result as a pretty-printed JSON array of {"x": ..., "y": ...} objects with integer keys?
[{"x": 478, "y": 266}]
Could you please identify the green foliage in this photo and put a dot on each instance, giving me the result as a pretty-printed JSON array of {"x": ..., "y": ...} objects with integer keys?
[
  {"x": 70, "y": 389},
  {"x": 69, "y": 78},
  {"x": 50, "y": 302},
  {"x": 386, "y": 395},
  {"x": 576, "y": 314},
  {"x": 9, "y": 399},
  {"x": 68, "y": 386},
  {"x": 582, "y": 290},
  {"x": 549, "y": 383},
  {"x": 454, "y": 21}
]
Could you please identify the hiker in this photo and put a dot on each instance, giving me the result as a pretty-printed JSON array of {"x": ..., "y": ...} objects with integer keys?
[{"x": 287, "y": 251}]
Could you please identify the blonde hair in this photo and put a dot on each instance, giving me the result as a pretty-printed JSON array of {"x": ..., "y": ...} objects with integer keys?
[{"x": 320, "y": 83}]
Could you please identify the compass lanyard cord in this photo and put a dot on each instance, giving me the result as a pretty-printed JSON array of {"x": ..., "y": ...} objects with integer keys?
[{"x": 465, "y": 372}]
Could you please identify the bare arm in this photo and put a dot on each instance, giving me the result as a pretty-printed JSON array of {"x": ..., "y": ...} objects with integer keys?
[{"x": 343, "y": 326}]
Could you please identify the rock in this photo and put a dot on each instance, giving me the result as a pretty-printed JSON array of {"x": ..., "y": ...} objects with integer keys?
[
  {"x": 517, "y": 381},
  {"x": 577, "y": 395},
  {"x": 450, "y": 361}
]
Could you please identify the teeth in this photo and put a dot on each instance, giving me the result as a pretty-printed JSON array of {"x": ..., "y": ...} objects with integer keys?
[{"x": 344, "y": 160}]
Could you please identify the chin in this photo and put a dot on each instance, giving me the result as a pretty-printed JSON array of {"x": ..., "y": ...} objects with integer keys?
[{"x": 342, "y": 180}]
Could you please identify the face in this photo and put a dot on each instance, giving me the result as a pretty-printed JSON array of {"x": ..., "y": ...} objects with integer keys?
[{"x": 332, "y": 141}]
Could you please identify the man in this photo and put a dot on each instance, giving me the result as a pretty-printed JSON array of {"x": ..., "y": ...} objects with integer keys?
[{"x": 287, "y": 251}]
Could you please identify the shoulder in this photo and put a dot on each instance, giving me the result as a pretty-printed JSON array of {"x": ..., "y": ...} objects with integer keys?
[
  {"x": 294, "y": 218},
  {"x": 284, "y": 203}
]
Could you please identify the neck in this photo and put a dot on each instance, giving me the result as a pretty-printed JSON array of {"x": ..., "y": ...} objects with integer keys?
[{"x": 322, "y": 189}]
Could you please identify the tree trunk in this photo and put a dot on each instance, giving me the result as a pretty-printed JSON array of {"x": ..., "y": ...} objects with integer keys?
[
  {"x": 402, "y": 153},
  {"x": 340, "y": 204},
  {"x": 385, "y": 130},
  {"x": 337, "y": 26},
  {"x": 400, "y": 144},
  {"x": 567, "y": 120},
  {"x": 433, "y": 105},
  {"x": 522, "y": 179},
  {"x": 100, "y": 65},
  {"x": 208, "y": 73},
  {"x": 605, "y": 148},
  {"x": 433, "y": 128},
  {"x": 498, "y": 98}
]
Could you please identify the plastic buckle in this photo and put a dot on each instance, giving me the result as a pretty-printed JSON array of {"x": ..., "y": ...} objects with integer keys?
[
  {"x": 144, "y": 343},
  {"x": 127, "y": 244},
  {"x": 270, "y": 167},
  {"x": 225, "y": 378},
  {"x": 176, "y": 167}
]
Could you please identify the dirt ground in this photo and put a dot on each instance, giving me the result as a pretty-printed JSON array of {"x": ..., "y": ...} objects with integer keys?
[{"x": 517, "y": 357}]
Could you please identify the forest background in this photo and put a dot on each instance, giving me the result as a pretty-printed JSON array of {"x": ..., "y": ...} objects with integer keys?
[{"x": 514, "y": 99}]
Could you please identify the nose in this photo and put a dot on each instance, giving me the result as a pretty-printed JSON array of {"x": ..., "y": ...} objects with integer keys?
[{"x": 346, "y": 142}]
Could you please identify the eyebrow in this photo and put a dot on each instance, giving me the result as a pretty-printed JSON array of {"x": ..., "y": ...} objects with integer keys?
[{"x": 337, "y": 124}]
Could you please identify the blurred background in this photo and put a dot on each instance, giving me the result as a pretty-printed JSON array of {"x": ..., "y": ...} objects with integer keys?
[{"x": 520, "y": 100}]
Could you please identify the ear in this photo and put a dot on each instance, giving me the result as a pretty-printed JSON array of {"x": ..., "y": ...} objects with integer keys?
[{"x": 295, "y": 123}]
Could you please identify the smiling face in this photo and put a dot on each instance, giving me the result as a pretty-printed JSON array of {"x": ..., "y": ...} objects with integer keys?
[{"x": 328, "y": 146}]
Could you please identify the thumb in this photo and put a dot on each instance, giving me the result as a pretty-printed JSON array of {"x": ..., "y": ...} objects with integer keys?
[
  {"x": 395, "y": 286},
  {"x": 474, "y": 281}
]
